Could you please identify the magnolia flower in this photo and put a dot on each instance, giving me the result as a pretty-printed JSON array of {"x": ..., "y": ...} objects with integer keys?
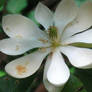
[{"x": 63, "y": 28}]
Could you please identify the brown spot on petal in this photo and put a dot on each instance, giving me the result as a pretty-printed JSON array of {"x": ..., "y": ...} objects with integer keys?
[
  {"x": 42, "y": 49},
  {"x": 43, "y": 40},
  {"x": 21, "y": 69}
]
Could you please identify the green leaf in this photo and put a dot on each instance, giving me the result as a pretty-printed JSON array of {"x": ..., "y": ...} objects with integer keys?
[
  {"x": 2, "y": 3},
  {"x": 86, "y": 77},
  {"x": 31, "y": 15},
  {"x": 80, "y": 2},
  {"x": 9, "y": 84},
  {"x": 74, "y": 85},
  {"x": 1, "y": 29},
  {"x": 2, "y": 73},
  {"x": 72, "y": 70},
  {"x": 16, "y": 6},
  {"x": 84, "y": 45},
  {"x": 1, "y": 8}
]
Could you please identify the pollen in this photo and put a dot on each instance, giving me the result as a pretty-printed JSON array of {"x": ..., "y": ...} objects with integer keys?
[{"x": 21, "y": 69}]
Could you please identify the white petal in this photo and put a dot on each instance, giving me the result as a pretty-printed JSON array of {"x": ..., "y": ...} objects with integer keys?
[
  {"x": 27, "y": 65},
  {"x": 18, "y": 26},
  {"x": 78, "y": 57},
  {"x": 82, "y": 22},
  {"x": 50, "y": 87},
  {"x": 43, "y": 15},
  {"x": 12, "y": 46},
  {"x": 65, "y": 13},
  {"x": 85, "y": 37},
  {"x": 58, "y": 72}
]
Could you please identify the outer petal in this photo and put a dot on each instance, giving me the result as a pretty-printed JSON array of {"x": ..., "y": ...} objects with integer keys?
[
  {"x": 50, "y": 87},
  {"x": 65, "y": 13},
  {"x": 17, "y": 46},
  {"x": 27, "y": 65},
  {"x": 82, "y": 22},
  {"x": 79, "y": 57},
  {"x": 18, "y": 26},
  {"x": 85, "y": 37},
  {"x": 56, "y": 73},
  {"x": 43, "y": 15}
]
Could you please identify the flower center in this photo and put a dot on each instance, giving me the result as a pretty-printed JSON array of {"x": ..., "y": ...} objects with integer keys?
[
  {"x": 53, "y": 33},
  {"x": 53, "y": 36}
]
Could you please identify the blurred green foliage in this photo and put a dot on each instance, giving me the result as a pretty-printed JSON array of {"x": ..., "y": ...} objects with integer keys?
[
  {"x": 86, "y": 77},
  {"x": 9, "y": 84},
  {"x": 80, "y": 2},
  {"x": 32, "y": 17},
  {"x": 2, "y": 73},
  {"x": 2, "y": 2},
  {"x": 15, "y": 6},
  {"x": 74, "y": 85}
]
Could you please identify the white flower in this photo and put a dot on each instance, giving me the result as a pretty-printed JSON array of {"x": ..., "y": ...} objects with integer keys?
[{"x": 64, "y": 27}]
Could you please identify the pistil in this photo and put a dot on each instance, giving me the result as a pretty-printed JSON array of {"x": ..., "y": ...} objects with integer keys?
[{"x": 53, "y": 33}]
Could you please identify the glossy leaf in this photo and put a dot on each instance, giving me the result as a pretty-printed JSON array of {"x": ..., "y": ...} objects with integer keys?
[
  {"x": 9, "y": 84},
  {"x": 86, "y": 77},
  {"x": 74, "y": 85}
]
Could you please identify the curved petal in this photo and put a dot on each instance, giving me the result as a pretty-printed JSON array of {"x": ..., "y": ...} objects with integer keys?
[
  {"x": 12, "y": 46},
  {"x": 43, "y": 15},
  {"x": 85, "y": 37},
  {"x": 58, "y": 73},
  {"x": 82, "y": 22},
  {"x": 27, "y": 65},
  {"x": 65, "y": 13},
  {"x": 50, "y": 87},
  {"x": 79, "y": 57},
  {"x": 18, "y": 26}
]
